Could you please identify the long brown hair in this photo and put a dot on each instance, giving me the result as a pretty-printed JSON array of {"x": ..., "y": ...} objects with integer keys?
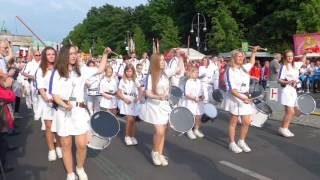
[
  {"x": 62, "y": 63},
  {"x": 155, "y": 71},
  {"x": 284, "y": 60},
  {"x": 134, "y": 76},
  {"x": 44, "y": 60}
]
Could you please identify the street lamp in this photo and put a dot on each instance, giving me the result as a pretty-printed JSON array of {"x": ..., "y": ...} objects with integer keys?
[
  {"x": 127, "y": 40},
  {"x": 201, "y": 23}
]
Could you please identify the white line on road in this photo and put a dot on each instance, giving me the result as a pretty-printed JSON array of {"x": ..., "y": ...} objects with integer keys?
[{"x": 244, "y": 170}]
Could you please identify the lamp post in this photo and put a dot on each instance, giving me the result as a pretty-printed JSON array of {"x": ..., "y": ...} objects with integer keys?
[
  {"x": 127, "y": 40},
  {"x": 201, "y": 23}
]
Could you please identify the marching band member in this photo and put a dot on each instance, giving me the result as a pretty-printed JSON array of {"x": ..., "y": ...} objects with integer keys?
[
  {"x": 67, "y": 87},
  {"x": 129, "y": 94},
  {"x": 29, "y": 72},
  {"x": 237, "y": 101},
  {"x": 108, "y": 89},
  {"x": 288, "y": 78},
  {"x": 121, "y": 66},
  {"x": 205, "y": 75},
  {"x": 175, "y": 67},
  {"x": 156, "y": 110},
  {"x": 214, "y": 67},
  {"x": 92, "y": 87},
  {"x": 45, "y": 109},
  {"x": 194, "y": 97},
  {"x": 144, "y": 61}
]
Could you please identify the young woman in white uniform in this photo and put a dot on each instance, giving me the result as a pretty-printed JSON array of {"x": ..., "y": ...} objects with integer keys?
[
  {"x": 194, "y": 101},
  {"x": 129, "y": 95},
  {"x": 108, "y": 89},
  {"x": 289, "y": 77},
  {"x": 92, "y": 87},
  {"x": 156, "y": 110},
  {"x": 237, "y": 101},
  {"x": 205, "y": 76},
  {"x": 46, "y": 111},
  {"x": 68, "y": 83}
]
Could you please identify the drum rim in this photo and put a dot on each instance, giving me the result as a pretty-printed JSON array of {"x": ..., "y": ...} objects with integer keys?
[
  {"x": 313, "y": 100},
  {"x": 118, "y": 122},
  {"x": 99, "y": 137},
  {"x": 172, "y": 127}
]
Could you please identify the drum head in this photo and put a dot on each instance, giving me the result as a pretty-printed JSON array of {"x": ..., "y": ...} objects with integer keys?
[
  {"x": 181, "y": 119},
  {"x": 262, "y": 106},
  {"x": 98, "y": 143},
  {"x": 105, "y": 124},
  {"x": 217, "y": 95},
  {"x": 306, "y": 104},
  {"x": 175, "y": 95},
  {"x": 210, "y": 110}
]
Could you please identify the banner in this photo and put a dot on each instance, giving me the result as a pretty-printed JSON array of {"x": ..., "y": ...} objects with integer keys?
[{"x": 309, "y": 42}]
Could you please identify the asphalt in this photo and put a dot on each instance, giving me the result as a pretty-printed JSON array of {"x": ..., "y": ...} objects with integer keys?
[{"x": 273, "y": 156}]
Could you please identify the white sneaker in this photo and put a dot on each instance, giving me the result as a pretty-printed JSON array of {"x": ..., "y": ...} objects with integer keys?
[
  {"x": 134, "y": 141},
  {"x": 285, "y": 132},
  {"x": 191, "y": 135},
  {"x": 81, "y": 174},
  {"x": 59, "y": 152},
  {"x": 71, "y": 176},
  {"x": 198, "y": 133},
  {"x": 243, "y": 145},
  {"x": 164, "y": 160},
  {"x": 156, "y": 158},
  {"x": 52, "y": 156},
  {"x": 128, "y": 141},
  {"x": 235, "y": 148}
]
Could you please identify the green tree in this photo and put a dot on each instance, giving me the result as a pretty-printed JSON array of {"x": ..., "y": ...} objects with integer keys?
[
  {"x": 169, "y": 36},
  {"x": 309, "y": 18},
  {"x": 99, "y": 47},
  {"x": 139, "y": 40}
]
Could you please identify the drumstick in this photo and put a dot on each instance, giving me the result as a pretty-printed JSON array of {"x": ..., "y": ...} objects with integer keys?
[{"x": 262, "y": 49}]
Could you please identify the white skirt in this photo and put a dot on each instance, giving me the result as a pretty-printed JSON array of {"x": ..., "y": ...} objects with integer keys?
[
  {"x": 237, "y": 107},
  {"x": 127, "y": 109},
  {"x": 196, "y": 108},
  {"x": 108, "y": 103},
  {"x": 46, "y": 112},
  {"x": 155, "y": 111},
  {"x": 72, "y": 123},
  {"x": 288, "y": 96}
]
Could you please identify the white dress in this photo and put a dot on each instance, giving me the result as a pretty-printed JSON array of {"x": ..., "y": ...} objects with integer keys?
[
  {"x": 288, "y": 94},
  {"x": 75, "y": 122},
  {"x": 130, "y": 91},
  {"x": 156, "y": 111},
  {"x": 109, "y": 87},
  {"x": 45, "y": 110},
  {"x": 238, "y": 79},
  {"x": 177, "y": 80},
  {"x": 193, "y": 88}
]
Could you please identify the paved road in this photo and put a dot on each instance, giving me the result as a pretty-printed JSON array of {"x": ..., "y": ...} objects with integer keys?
[{"x": 273, "y": 157}]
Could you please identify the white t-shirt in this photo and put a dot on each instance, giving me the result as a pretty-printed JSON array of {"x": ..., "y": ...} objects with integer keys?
[
  {"x": 203, "y": 70},
  {"x": 42, "y": 82},
  {"x": 238, "y": 78},
  {"x": 3, "y": 65},
  {"x": 31, "y": 67}
]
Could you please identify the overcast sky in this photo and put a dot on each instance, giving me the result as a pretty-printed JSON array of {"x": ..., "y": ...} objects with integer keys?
[{"x": 52, "y": 20}]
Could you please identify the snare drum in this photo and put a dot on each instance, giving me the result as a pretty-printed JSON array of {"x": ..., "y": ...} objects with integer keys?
[
  {"x": 306, "y": 104},
  {"x": 218, "y": 95},
  {"x": 256, "y": 91},
  {"x": 261, "y": 114},
  {"x": 210, "y": 112},
  {"x": 181, "y": 119},
  {"x": 175, "y": 95},
  {"x": 93, "y": 92},
  {"x": 104, "y": 126}
]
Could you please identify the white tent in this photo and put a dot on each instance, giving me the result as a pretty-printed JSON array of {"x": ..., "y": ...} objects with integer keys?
[{"x": 193, "y": 54}]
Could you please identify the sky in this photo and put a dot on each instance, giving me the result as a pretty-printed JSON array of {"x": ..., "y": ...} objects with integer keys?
[{"x": 51, "y": 20}]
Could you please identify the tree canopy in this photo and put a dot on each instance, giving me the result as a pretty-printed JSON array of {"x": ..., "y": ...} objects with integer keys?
[{"x": 270, "y": 24}]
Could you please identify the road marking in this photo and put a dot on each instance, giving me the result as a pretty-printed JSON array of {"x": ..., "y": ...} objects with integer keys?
[{"x": 244, "y": 170}]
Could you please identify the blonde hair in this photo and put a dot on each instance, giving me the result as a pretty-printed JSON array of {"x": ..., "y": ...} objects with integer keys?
[
  {"x": 234, "y": 53},
  {"x": 108, "y": 66},
  {"x": 191, "y": 70}
]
